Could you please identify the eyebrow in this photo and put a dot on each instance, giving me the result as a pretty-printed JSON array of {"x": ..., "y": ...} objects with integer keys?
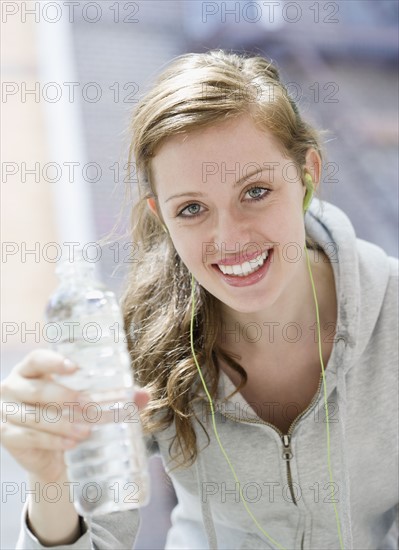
[{"x": 236, "y": 184}]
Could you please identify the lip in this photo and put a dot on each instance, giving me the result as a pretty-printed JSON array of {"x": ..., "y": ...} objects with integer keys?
[
  {"x": 242, "y": 258},
  {"x": 252, "y": 278}
]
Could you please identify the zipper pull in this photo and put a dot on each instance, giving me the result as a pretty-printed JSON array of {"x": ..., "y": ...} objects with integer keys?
[{"x": 287, "y": 452}]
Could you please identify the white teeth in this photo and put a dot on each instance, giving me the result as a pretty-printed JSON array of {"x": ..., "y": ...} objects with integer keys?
[{"x": 241, "y": 270}]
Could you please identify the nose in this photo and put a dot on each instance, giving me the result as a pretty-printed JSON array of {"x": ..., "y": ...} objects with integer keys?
[{"x": 232, "y": 231}]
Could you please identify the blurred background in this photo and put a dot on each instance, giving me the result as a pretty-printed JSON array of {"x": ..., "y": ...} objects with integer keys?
[{"x": 71, "y": 74}]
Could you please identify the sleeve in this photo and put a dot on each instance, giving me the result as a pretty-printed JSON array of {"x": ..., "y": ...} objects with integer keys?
[{"x": 116, "y": 530}]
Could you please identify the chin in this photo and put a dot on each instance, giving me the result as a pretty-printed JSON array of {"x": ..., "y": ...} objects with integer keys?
[{"x": 245, "y": 305}]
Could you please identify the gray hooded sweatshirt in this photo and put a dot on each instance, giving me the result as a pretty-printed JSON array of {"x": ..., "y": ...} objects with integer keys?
[{"x": 284, "y": 478}]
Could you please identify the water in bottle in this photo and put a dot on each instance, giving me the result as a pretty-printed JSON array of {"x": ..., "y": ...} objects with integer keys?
[{"x": 109, "y": 470}]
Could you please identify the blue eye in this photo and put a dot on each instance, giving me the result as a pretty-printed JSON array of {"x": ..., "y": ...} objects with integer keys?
[
  {"x": 193, "y": 210},
  {"x": 262, "y": 193}
]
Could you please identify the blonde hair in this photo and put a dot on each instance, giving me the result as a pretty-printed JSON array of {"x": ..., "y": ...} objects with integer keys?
[{"x": 196, "y": 90}]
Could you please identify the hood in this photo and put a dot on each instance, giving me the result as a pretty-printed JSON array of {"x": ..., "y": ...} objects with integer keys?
[{"x": 361, "y": 273}]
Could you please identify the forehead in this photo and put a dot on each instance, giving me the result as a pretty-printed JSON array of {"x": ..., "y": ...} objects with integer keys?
[{"x": 231, "y": 142}]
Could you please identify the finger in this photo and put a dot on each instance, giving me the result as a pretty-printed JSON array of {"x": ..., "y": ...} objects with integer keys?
[
  {"x": 32, "y": 382},
  {"x": 51, "y": 420},
  {"x": 41, "y": 392},
  {"x": 22, "y": 437},
  {"x": 42, "y": 362}
]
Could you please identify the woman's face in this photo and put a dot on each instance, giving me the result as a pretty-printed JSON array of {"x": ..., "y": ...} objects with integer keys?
[{"x": 218, "y": 213}]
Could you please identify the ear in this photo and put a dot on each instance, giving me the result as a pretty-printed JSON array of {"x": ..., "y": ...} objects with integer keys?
[
  {"x": 313, "y": 166},
  {"x": 152, "y": 206}
]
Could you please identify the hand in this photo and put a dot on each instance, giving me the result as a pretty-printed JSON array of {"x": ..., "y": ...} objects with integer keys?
[{"x": 37, "y": 424}]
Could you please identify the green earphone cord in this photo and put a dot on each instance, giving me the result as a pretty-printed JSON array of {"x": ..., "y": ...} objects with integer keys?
[{"x": 213, "y": 412}]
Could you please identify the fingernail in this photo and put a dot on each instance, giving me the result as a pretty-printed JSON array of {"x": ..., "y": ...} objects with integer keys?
[
  {"x": 68, "y": 442},
  {"x": 81, "y": 428},
  {"x": 69, "y": 365}
]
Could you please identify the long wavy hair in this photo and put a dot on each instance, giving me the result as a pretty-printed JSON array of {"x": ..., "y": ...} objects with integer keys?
[{"x": 195, "y": 90}]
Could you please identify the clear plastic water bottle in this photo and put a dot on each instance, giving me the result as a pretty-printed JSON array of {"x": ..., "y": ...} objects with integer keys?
[{"x": 109, "y": 470}]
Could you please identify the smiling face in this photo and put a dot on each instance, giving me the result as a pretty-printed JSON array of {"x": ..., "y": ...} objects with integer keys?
[{"x": 218, "y": 214}]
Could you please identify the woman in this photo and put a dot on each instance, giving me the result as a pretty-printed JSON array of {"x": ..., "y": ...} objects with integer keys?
[{"x": 242, "y": 298}]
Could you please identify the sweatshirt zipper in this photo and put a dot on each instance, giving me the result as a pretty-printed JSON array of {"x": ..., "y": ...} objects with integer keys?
[
  {"x": 287, "y": 455},
  {"x": 285, "y": 438}
]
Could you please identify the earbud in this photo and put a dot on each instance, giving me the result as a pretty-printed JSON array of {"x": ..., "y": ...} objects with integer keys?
[
  {"x": 165, "y": 228},
  {"x": 309, "y": 192}
]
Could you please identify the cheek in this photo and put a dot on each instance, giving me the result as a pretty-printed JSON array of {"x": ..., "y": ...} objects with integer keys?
[
  {"x": 187, "y": 248},
  {"x": 288, "y": 221}
]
